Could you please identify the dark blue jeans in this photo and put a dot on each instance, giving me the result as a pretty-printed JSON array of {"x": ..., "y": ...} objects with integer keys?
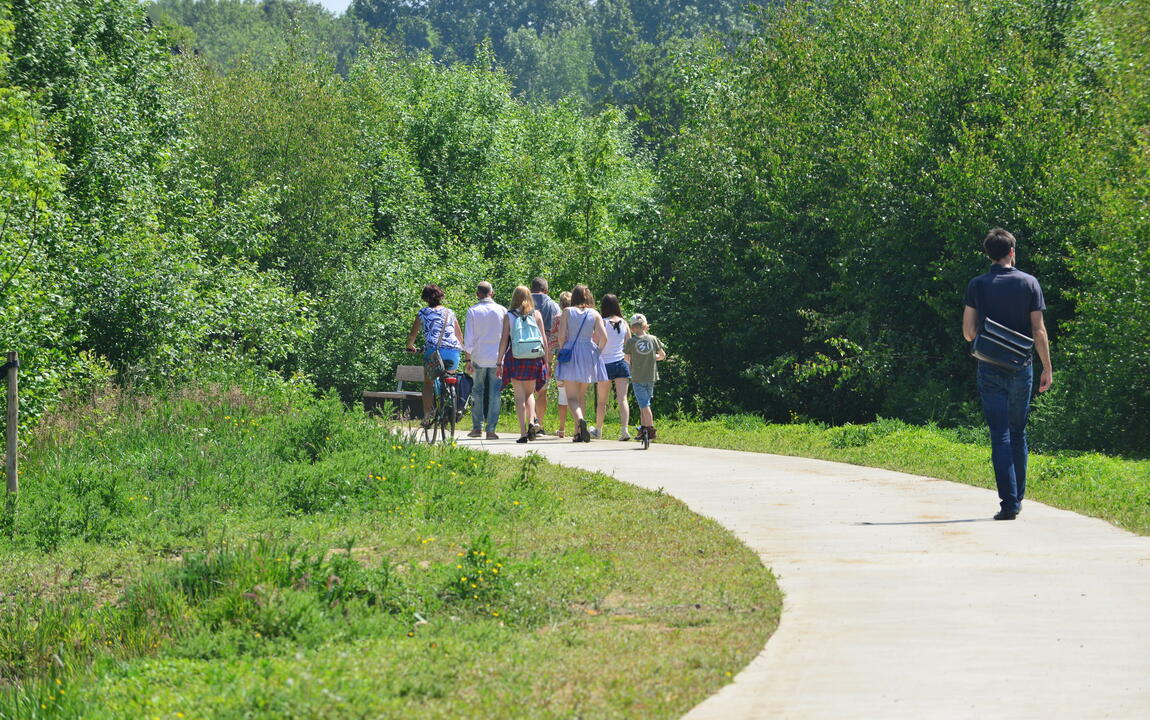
[{"x": 1006, "y": 405}]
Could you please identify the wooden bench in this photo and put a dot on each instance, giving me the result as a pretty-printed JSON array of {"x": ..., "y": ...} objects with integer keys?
[{"x": 409, "y": 403}]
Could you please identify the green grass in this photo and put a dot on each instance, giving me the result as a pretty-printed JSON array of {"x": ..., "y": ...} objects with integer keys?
[
  {"x": 217, "y": 554},
  {"x": 1114, "y": 489}
]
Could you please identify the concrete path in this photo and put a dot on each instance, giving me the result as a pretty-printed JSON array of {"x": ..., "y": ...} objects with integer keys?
[{"x": 903, "y": 598}]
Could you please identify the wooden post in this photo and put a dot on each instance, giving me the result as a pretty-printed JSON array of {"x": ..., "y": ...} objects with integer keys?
[{"x": 13, "y": 424}]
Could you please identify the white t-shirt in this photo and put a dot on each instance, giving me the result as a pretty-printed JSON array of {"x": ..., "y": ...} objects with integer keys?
[{"x": 613, "y": 350}]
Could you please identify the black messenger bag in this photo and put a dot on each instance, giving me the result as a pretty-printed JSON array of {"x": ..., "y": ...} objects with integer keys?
[{"x": 999, "y": 345}]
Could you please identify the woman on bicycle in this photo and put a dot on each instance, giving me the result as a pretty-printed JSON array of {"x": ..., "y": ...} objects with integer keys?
[
  {"x": 523, "y": 348},
  {"x": 618, "y": 371},
  {"x": 440, "y": 331},
  {"x": 581, "y": 338}
]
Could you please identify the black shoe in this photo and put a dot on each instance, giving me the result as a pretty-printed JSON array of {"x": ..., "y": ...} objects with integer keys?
[
  {"x": 522, "y": 440},
  {"x": 1003, "y": 515}
]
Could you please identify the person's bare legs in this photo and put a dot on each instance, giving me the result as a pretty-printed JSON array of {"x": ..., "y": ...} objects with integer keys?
[
  {"x": 529, "y": 403},
  {"x": 576, "y": 393},
  {"x": 646, "y": 416},
  {"x": 621, "y": 385},
  {"x": 562, "y": 408},
  {"x": 541, "y": 404},
  {"x": 428, "y": 397},
  {"x": 524, "y": 402},
  {"x": 602, "y": 395}
]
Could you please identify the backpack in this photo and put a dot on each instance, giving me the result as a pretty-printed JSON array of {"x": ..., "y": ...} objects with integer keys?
[{"x": 526, "y": 340}]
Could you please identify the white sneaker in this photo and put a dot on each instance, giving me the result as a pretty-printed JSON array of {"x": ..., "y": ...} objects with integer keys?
[
  {"x": 594, "y": 432},
  {"x": 624, "y": 436}
]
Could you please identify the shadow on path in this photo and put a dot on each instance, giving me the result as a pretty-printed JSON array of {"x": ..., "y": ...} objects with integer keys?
[{"x": 928, "y": 522}]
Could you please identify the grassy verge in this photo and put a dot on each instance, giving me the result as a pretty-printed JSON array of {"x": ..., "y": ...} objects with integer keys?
[
  {"x": 216, "y": 554},
  {"x": 1114, "y": 489}
]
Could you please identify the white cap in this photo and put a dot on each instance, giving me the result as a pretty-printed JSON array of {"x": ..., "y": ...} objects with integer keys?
[{"x": 637, "y": 319}]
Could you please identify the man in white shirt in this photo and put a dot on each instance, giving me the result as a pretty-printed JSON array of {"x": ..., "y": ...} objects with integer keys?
[{"x": 481, "y": 341}]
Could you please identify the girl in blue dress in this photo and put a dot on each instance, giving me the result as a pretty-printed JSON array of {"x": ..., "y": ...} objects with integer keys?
[{"x": 581, "y": 331}]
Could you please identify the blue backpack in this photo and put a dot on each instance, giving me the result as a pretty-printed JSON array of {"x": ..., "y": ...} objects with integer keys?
[{"x": 526, "y": 340}]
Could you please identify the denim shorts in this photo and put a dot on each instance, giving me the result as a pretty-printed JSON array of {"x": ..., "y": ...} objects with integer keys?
[
  {"x": 643, "y": 393},
  {"x": 618, "y": 370},
  {"x": 450, "y": 359}
]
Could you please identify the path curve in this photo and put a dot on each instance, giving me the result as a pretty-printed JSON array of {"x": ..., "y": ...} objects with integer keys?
[{"x": 903, "y": 599}]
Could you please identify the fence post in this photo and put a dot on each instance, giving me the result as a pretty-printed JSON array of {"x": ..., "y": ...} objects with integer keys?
[{"x": 12, "y": 468}]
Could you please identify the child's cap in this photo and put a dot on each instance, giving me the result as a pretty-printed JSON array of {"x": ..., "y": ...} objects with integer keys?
[{"x": 637, "y": 319}]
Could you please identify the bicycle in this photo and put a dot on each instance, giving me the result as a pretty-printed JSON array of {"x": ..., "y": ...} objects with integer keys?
[{"x": 439, "y": 426}]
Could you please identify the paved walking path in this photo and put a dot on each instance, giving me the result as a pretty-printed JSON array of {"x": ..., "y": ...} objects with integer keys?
[{"x": 903, "y": 599}]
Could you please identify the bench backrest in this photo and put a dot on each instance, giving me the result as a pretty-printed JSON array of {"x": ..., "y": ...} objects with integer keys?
[{"x": 409, "y": 373}]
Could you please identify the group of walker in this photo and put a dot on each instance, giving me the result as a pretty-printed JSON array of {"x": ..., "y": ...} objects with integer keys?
[
  {"x": 1003, "y": 317},
  {"x": 518, "y": 346}
]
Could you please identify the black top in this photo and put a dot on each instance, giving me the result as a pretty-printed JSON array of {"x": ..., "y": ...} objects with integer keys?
[{"x": 1006, "y": 295}]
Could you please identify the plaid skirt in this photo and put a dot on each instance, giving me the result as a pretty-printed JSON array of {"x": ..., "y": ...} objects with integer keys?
[{"x": 524, "y": 369}]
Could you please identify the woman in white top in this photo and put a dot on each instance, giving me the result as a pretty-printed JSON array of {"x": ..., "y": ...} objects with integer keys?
[{"x": 618, "y": 371}]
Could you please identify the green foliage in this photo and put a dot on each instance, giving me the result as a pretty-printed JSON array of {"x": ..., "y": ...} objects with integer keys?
[
  {"x": 825, "y": 170},
  {"x": 309, "y": 436},
  {"x": 34, "y": 315},
  {"x": 852, "y": 436},
  {"x": 1107, "y": 393},
  {"x": 109, "y": 256},
  {"x": 833, "y": 179},
  {"x": 284, "y": 130},
  {"x": 528, "y": 471},
  {"x": 181, "y": 575},
  {"x": 480, "y": 577},
  {"x": 407, "y": 173},
  {"x": 230, "y": 32}
]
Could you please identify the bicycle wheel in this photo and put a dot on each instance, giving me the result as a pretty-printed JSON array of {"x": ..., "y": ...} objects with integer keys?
[
  {"x": 447, "y": 416},
  {"x": 645, "y": 438}
]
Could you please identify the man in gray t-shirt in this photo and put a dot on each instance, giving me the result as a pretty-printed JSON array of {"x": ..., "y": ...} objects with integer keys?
[{"x": 549, "y": 309}]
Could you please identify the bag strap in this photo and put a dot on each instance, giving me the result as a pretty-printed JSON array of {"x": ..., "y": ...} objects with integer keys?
[
  {"x": 446, "y": 318},
  {"x": 579, "y": 332}
]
